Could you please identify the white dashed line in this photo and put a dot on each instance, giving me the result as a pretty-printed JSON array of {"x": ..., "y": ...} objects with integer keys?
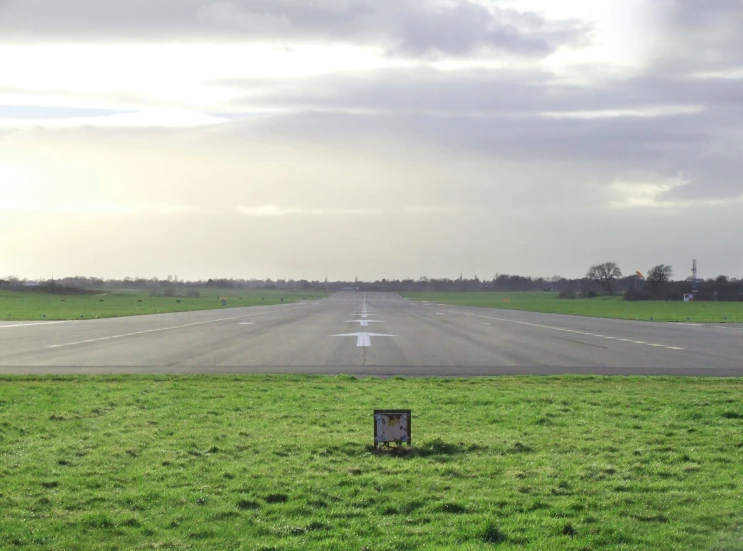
[
  {"x": 32, "y": 324},
  {"x": 168, "y": 328},
  {"x": 363, "y": 339},
  {"x": 565, "y": 330}
]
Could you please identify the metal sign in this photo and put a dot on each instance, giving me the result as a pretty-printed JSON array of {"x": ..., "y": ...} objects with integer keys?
[
  {"x": 392, "y": 426},
  {"x": 688, "y": 298}
]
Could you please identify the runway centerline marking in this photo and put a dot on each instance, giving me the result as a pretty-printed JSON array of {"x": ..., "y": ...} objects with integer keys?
[
  {"x": 169, "y": 328},
  {"x": 565, "y": 330},
  {"x": 363, "y": 339},
  {"x": 363, "y": 323}
]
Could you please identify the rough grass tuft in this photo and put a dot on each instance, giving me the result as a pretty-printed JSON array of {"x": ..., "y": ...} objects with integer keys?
[{"x": 492, "y": 535}]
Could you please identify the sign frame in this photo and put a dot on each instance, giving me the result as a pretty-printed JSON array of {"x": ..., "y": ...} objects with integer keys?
[{"x": 382, "y": 417}]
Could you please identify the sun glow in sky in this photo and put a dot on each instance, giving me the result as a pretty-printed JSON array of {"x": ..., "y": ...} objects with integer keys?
[{"x": 399, "y": 139}]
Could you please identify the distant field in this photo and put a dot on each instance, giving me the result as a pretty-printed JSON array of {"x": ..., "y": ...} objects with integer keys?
[
  {"x": 34, "y": 306},
  {"x": 603, "y": 307},
  {"x": 284, "y": 463}
]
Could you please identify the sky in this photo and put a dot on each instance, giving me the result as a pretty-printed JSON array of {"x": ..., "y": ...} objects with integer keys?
[{"x": 375, "y": 139}]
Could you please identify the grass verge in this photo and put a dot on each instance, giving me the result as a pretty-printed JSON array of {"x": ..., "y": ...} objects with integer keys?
[
  {"x": 602, "y": 307},
  {"x": 20, "y": 306},
  {"x": 284, "y": 463}
]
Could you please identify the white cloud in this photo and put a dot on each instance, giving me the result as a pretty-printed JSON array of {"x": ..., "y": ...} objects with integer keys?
[
  {"x": 644, "y": 112},
  {"x": 654, "y": 195},
  {"x": 169, "y": 118},
  {"x": 272, "y": 210}
]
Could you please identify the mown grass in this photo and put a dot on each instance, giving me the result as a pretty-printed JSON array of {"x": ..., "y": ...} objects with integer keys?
[
  {"x": 275, "y": 463},
  {"x": 20, "y": 306},
  {"x": 602, "y": 307}
]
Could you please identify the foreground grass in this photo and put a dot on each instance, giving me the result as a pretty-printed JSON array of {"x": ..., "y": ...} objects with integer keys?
[
  {"x": 20, "y": 306},
  {"x": 602, "y": 307},
  {"x": 284, "y": 463}
]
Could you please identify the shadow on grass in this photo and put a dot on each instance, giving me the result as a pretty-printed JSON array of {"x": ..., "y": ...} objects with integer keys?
[{"x": 433, "y": 448}]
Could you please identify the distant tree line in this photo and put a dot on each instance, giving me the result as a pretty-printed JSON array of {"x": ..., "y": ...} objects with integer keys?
[{"x": 601, "y": 279}]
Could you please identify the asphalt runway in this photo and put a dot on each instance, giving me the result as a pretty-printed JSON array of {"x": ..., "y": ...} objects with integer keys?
[{"x": 370, "y": 334}]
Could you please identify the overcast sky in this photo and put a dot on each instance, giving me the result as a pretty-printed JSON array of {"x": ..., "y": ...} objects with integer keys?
[{"x": 369, "y": 138}]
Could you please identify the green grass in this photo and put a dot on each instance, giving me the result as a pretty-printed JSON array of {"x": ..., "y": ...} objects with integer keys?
[
  {"x": 602, "y": 307},
  {"x": 18, "y": 306},
  {"x": 284, "y": 463}
]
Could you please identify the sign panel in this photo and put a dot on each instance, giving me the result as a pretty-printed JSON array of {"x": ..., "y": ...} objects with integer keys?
[
  {"x": 689, "y": 298},
  {"x": 392, "y": 426}
]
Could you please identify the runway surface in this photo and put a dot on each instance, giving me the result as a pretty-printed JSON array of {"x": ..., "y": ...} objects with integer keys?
[{"x": 370, "y": 334}]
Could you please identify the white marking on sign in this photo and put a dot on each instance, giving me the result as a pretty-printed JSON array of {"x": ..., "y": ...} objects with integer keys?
[
  {"x": 363, "y": 339},
  {"x": 439, "y": 314},
  {"x": 247, "y": 323}
]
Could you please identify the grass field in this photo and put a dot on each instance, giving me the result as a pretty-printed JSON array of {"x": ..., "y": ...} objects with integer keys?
[
  {"x": 284, "y": 463},
  {"x": 602, "y": 307},
  {"x": 36, "y": 306}
]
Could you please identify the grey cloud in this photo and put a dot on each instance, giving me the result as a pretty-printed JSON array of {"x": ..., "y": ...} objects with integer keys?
[
  {"x": 407, "y": 27},
  {"x": 460, "y": 28},
  {"x": 701, "y": 35},
  {"x": 496, "y": 92},
  {"x": 500, "y": 113}
]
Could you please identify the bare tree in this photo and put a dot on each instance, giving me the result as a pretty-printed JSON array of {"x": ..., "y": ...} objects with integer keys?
[
  {"x": 659, "y": 275},
  {"x": 605, "y": 274}
]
